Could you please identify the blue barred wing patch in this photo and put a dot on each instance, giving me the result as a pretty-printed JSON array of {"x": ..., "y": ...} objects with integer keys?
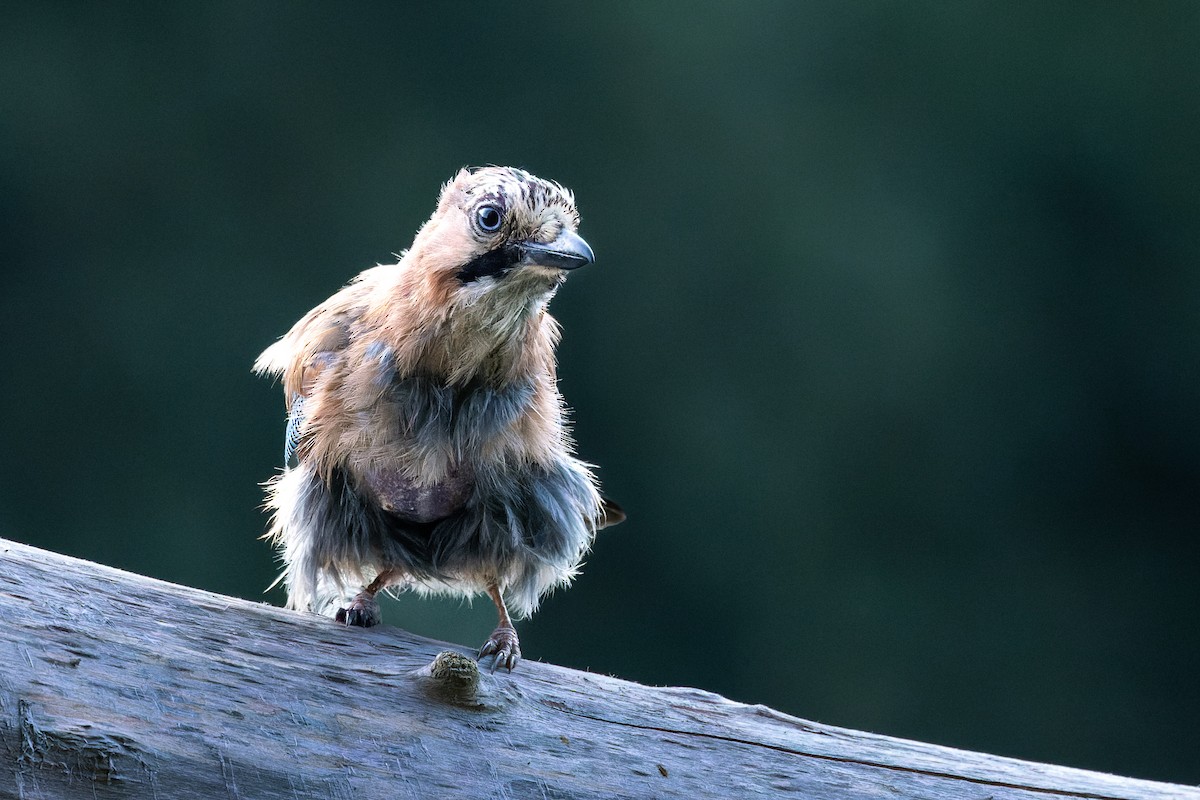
[{"x": 295, "y": 430}]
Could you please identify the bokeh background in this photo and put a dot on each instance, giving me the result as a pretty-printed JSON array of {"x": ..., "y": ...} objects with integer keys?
[{"x": 892, "y": 351}]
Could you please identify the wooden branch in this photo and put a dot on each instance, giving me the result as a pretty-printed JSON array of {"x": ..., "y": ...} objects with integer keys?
[{"x": 114, "y": 685}]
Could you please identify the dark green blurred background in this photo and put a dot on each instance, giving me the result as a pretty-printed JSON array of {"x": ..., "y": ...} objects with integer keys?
[{"x": 892, "y": 352}]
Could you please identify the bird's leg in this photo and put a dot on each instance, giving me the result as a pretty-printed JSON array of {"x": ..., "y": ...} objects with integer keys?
[
  {"x": 363, "y": 610},
  {"x": 503, "y": 643}
]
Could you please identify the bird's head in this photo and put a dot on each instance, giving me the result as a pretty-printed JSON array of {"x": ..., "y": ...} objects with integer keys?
[{"x": 501, "y": 230}]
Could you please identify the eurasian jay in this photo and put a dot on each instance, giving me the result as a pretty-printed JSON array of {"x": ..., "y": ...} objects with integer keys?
[{"x": 427, "y": 442}]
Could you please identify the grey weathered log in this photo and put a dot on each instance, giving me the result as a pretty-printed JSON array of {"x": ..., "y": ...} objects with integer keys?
[{"x": 115, "y": 685}]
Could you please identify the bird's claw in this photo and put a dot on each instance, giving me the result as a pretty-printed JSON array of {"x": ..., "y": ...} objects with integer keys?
[
  {"x": 504, "y": 646},
  {"x": 363, "y": 611}
]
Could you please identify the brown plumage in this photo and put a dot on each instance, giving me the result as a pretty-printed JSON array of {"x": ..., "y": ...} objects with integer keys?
[{"x": 428, "y": 436}]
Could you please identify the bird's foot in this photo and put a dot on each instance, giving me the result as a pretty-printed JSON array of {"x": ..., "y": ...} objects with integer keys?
[
  {"x": 362, "y": 612},
  {"x": 502, "y": 644}
]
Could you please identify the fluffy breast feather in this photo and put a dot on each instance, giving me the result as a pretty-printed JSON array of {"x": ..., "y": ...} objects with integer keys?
[{"x": 394, "y": 384}]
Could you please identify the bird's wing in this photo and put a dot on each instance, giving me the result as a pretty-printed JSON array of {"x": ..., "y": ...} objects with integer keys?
[
  {"x": 295, "y": 427},
  {"x": 306, "y": 352}
]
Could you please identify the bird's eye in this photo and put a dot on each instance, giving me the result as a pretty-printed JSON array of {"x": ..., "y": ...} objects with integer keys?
[{"x": 489, "y": 218}]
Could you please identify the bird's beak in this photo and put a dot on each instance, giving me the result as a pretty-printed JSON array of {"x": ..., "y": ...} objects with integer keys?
[{"x": 568, "y": 251}]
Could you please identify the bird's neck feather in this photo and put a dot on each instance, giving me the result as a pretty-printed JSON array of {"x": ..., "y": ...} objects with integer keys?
[{"x": 492, "y": 334}]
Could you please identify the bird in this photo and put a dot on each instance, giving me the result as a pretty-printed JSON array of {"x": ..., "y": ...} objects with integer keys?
[{"x": 427, "y": 444}]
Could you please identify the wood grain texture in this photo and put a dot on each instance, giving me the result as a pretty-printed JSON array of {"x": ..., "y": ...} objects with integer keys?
[{"x": 114, "y": 685}]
